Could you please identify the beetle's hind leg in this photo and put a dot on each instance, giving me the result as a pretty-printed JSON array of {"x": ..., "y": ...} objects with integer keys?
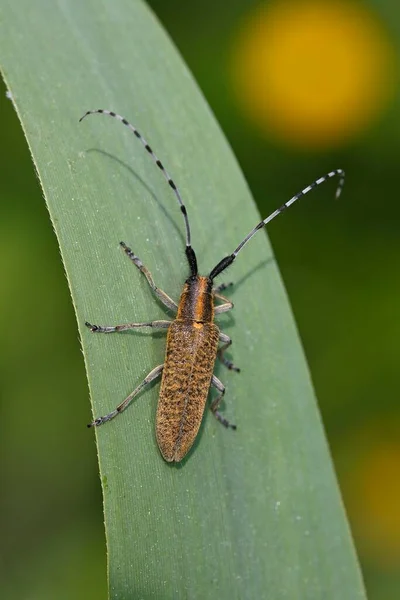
[
  {"x": 156, "y": 372},
  {"x": 215, "y": 382},
  {"x": 221, "y": 352},
  {"x": 162, "y": 296},
  {"x": 126, "y": 326}
]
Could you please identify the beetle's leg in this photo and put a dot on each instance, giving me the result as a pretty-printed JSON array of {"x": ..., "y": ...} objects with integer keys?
[
  {"x": 221, "y": 308},
  {"x": 162, "y": 296},
  {"x": 222, "y": 286},
  {"x": 116, "y": 328},
  {"x": 150, "y": 377},
  {"x": 215, "y": 403},
  {"x": 227, "y": 342}
]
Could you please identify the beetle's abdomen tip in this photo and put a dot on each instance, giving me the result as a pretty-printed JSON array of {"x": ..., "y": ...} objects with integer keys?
[
  {"x": 172, "y": 455},
  {"x": 168, "y": 459}
]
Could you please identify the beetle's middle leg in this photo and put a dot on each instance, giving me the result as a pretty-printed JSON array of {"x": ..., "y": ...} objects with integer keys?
[
  {"x": 156, "y": 372},
  {"x": 126, "y": 326},
  {"x": 215, "y": 382},
  {"x": 225, "y": 361},
  {"x": 162, "y": 296}
]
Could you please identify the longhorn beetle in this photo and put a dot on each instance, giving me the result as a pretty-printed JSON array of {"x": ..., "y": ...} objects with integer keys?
[{"x": 192, "y": 338}]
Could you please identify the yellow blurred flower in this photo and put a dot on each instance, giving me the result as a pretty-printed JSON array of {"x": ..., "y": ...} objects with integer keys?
[
  {"x": 371, "y": 488},
  {"x": 313, "y": 73}
]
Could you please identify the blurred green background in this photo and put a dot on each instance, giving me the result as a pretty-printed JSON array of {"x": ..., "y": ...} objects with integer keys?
[{"x": 299, "y": 87}]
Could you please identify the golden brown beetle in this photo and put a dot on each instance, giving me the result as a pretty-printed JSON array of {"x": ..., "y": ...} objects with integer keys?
[{"x": 193, "y": 337}]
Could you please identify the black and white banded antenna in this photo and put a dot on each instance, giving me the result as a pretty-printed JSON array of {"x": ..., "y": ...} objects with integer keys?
[
  {"x": 190, "y": 254},
  {"x": 228, "y": 260}
]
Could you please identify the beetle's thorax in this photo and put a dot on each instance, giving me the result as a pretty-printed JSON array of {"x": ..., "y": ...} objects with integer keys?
[{"x": 196, "y": 302}]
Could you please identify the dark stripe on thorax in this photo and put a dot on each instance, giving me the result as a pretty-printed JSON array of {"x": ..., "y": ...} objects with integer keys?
[{"x": 196, "y": 303}]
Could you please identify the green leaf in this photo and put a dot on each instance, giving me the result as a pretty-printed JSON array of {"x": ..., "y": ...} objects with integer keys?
[{"x": 254, "y": 513}]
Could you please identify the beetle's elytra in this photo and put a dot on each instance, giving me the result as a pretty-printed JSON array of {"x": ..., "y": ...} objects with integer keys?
[{"x": 192, "y": 337}]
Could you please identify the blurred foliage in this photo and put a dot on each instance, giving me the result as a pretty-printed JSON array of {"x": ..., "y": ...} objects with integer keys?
[{"x": 339, "y": 261}]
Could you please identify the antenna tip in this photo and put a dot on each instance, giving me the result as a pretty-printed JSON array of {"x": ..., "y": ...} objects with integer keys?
[
  {"x": 341, "y": 174},
  {"x": 85, "y": 115}
]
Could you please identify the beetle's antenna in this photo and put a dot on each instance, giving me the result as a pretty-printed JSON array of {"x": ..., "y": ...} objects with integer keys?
[
  {"x": 228, "y": 260},
  {"x": 190, "y": 254}
]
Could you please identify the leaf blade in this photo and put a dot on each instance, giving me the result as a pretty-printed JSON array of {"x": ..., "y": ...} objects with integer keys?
[{"x": 249, "y": 511}]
